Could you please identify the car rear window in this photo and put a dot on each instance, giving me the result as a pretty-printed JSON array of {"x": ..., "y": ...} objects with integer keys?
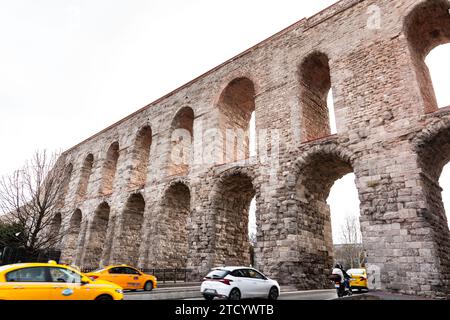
[{"x": 217, "y": 274}]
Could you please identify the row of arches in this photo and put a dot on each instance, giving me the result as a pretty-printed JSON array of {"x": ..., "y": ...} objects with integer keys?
[
  {"x": 92, "y": 245},
  {"x": 172, "y": 235},
  {"x": 140, "y": 156},
  {"x": 171, "y": 238},
  {"x": 230, "y": 204}
]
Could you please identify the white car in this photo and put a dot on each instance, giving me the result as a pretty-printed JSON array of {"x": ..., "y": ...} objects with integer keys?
[{"x": 236, "y": 283}]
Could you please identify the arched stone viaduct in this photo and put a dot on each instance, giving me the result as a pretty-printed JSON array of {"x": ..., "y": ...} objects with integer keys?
[{"x": 171, "y": 184}]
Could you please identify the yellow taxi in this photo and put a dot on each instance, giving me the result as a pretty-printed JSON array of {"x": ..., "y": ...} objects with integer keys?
[
  {"x": 127, "y": 277},
  {"x": 358, "y": 278},
  {"x": 52, "y": 281}
]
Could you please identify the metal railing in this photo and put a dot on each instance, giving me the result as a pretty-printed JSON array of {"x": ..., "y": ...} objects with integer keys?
[{"x": 169, "y": 275}]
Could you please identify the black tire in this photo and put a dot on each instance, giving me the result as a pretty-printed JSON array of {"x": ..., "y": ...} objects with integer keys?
[
  {"x": 148, "y": 286},
  {"x": 208, "y": 297},
  {"x": 273, "y": 293},
  {"x": 235, "y": 294},
  {"x": 104, "y": 297}
]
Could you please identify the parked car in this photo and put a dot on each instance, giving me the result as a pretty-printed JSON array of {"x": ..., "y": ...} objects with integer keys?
[
  {"x": 358, "y": 278},
  {"x": 129, "y": 278},
  {"x": 236, "y": 283},
  {"x": 52, "y": 281}
]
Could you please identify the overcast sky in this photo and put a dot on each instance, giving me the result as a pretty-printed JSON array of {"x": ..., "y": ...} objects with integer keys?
[{"x": 69, "y": 68}]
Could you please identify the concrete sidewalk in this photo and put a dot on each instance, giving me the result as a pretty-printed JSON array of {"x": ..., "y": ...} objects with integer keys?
[{"x": 383, "y": 295}]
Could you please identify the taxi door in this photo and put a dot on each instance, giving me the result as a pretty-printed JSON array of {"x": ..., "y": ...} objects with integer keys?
[
  {"x": 116, "y": 275},
  {"x": 26, "y": 284},
  {"x": 66, "y": 285},
  {"x": 133, "y": 279},
  {"x": 25, "y": 291}
]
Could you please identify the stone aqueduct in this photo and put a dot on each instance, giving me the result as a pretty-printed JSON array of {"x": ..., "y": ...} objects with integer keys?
[{"x": 127, "y": 201}]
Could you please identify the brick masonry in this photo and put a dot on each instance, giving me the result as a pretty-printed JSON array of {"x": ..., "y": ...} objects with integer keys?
[{"x": 128, "y": 201}]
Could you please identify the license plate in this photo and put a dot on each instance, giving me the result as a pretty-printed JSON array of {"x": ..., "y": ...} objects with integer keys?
[{"x": 209, "y": 291}]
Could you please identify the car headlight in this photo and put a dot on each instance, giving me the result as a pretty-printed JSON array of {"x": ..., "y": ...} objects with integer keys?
[{"x": 119, "y": 291}]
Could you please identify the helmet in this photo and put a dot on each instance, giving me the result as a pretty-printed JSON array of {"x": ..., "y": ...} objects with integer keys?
[{"x": 338, "y": 265}]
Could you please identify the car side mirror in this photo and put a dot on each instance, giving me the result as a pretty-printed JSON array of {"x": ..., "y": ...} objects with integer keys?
[{"x": 85, "y": 280}]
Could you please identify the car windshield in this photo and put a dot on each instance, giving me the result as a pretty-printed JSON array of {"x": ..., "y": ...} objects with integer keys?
[
  {"x": 64, "y": 275},
  {"x": 356, "y": 271},
  {"x": 99, "y": 270},
  {"x": 217, "y": 274}
]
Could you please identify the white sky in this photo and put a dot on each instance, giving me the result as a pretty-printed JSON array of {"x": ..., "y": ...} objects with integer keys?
[{"x": 70, "y": 68}]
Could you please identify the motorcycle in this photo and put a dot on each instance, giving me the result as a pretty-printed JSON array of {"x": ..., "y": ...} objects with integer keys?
[{"x": 341, "y": 289}]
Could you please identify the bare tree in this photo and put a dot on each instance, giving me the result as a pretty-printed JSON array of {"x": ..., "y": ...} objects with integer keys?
[
  {"x": 351, "y": 251},
  {"x": 32, "y": 198}
]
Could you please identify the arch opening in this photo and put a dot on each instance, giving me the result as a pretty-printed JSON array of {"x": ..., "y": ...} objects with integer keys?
[
  {"x": 182, "y": 135},
  {"x": 434, "y": 162},
  {"x": 97, "y": 235},
  {"x": 67, "y": 176},
  {"x": 54, "y": 236},
  {"x": 130, "y": 237},
  {"x": 316, "y": 100},
  {"x": 236, "y": 105},
  {"x": 72, "y": 235},
  {"x": 343, "y": 201},
  {"x": 433, "y": 158},
  {"x": 314, "y": 184},
  {"x": 109, "y": 169},
  {"x": 86, "y": 171},
  {"x": 231, "y": 205},
  {"x": 252, "y": 231},
  {"x": 141, "y": 157},
  {"x": 438, "y": 64},
  {"x": 175, "y": 215},
  {"x": 427, "y": 27}
]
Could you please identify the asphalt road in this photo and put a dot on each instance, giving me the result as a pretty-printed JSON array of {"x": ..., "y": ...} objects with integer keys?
[{"x": 193, "y": 293}]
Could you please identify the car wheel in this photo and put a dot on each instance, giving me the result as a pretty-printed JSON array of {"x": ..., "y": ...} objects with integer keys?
[
  {"x": 235, "y": 294},
  {"x": 208, "y": 297},
  {"x": 104, "y": 297},
  {"x": 273, "y": 293},
  {"x": 148, "y": 286}
]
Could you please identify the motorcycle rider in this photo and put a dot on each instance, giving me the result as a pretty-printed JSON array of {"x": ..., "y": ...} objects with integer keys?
[{"x": 339, "y": 270}]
